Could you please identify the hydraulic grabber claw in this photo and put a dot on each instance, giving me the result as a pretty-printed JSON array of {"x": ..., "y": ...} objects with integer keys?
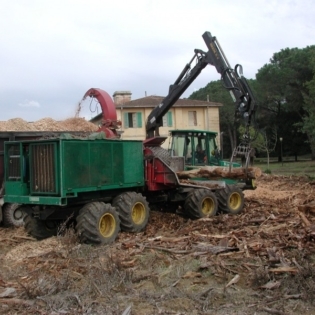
[{"x": 244, "y": 151}]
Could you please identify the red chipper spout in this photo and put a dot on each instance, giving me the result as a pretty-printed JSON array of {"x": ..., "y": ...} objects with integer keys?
[{"x": 109, "y": 123}]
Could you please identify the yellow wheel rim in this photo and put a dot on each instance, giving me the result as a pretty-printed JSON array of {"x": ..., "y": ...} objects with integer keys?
[
  {"x": 107, "y": 225},
  {"x": 138, "y": 213},
  {"x": 235, "y": 201},
  {"x": 208, "y": 206}
]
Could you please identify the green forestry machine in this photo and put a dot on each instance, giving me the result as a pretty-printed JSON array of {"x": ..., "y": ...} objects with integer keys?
[{"x": 103, "y": 184}]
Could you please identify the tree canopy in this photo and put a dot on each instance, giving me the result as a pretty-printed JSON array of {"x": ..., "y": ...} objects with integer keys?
[
  {"x": 284, "y": 93},
  {"x": 215, "y": 92},
  {"x": 285, "y": 90}
]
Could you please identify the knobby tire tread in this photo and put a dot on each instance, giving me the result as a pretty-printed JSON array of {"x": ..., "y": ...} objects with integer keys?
[
  {"x": 8, "y": 215},
  {"x": 87, "y": 223},
  {"x": 37, "y": 228},
  {"x": 192, "y": 203},
  {"x": 123, "y": 204},
  {"x": 223, "y": 195}
]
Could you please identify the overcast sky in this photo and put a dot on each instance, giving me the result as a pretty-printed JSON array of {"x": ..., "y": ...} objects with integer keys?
[{"x": 52, "y": 52}]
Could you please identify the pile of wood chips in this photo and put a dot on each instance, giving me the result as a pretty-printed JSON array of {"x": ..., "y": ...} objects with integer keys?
[{"x": 48, "y": 124}]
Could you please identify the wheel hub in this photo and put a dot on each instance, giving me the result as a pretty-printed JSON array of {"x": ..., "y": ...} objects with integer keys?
[
  {"x": 235, "y": 201},
  {"x": 208, "y": 206},
  {"x": 138, "y": 213},
  {"x": 107, "y": 225},
  {"x": 18, "y": 214}
]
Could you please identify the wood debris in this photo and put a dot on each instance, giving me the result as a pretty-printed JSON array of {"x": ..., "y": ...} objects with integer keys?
[
  {"x": 217, "y": 172},
  {"x": 269, "y": 245},
  {"x": 235, "y": 279}
]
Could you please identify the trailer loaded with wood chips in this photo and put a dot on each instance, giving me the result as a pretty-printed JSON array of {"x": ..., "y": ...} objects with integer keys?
[
  {"x": 18, "y": 129},
  {"x": 103, "y": 184}
]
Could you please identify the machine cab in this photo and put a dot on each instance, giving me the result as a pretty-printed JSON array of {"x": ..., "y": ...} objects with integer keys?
[{"x": 197, "y": 147}]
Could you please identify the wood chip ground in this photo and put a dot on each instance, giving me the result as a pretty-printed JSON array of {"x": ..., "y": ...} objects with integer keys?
[{"x": 261, "y": 261}]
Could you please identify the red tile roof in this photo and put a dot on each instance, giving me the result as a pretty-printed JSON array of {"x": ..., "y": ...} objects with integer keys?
[{"x": 152, "y": 101}]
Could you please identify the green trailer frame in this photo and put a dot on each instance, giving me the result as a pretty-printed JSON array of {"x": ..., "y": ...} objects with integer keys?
[{"x": 54, "y": 172}]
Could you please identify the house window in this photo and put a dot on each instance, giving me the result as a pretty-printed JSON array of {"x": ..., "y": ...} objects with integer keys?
[
  {"x": 167, "y": 120},
  {"x": 192, "y": 118},
  {"x": 133, "y": 120}
]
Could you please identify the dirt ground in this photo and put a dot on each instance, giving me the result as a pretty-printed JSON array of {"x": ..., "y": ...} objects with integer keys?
[{"x": 261, "y": 261}]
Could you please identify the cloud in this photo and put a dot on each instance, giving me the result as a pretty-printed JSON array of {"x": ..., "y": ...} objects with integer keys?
[
  {"x": 134, "y": 49},
  {"x": 28, "y": 103}
]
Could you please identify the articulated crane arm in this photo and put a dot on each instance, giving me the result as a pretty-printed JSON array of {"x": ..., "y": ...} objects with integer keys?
[
  {"x": 233, "y": 80},
  {"x": 185, "y": 79}
]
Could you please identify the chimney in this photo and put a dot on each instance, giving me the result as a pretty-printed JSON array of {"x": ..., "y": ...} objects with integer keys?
[{"x": 121, "y": 97}]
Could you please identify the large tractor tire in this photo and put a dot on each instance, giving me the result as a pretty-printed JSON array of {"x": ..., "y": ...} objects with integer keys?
[
  {"x": 201, "y": 203},
  {"x": 40, "y": 229},
  {"x": 98, "y": 223},
  {"x": 133, "y": 211},
  {"x": 13, "y": 215},
  {"x": 230, "y": 199}
]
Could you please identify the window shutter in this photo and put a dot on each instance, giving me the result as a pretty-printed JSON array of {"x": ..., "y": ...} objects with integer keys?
[
  {"x": 139, "y": 120},
  {"x": 126, "y": 120},
  {"x": 169, "y": 119}
]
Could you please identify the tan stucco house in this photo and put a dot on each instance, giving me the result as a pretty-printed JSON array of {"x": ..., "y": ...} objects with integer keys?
[{"x": 184, "y": 114}]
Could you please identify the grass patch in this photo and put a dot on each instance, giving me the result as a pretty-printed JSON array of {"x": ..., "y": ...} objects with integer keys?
[{"x": 288, "y": 168}]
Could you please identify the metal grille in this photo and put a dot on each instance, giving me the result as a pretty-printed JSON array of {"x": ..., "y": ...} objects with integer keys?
[
  {"x": 14, "y": 165},
  {"x": 175, "y": 163},
  {"x": 42, "y": 163},
  {"x": 162, "y": 154}
]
